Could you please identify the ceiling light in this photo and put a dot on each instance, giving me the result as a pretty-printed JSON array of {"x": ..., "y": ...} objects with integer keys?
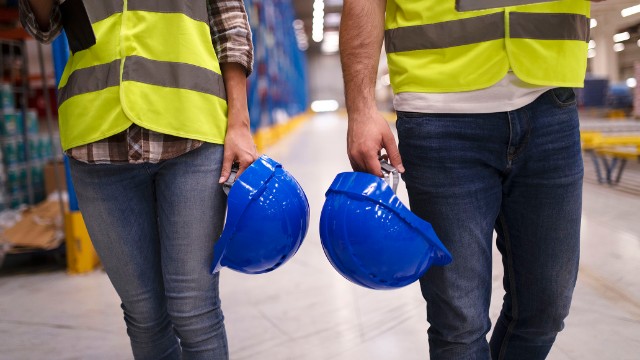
[
  {"x": 324, "y": 105},
  {"x": 317, "y": 32},
  {"x": 621, "y": 36},
  {"x": 630, "y": 11},
  {"x": 631, "y": 82},
  {"x": 617, "y": 47}
]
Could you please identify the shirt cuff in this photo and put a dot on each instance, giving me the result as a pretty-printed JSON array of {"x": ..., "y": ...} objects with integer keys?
[
  {"x": 28, "y": 20},
  {"x": 246, "y": 63}
]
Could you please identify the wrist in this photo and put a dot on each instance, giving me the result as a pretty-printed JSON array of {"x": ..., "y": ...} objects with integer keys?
[
  {"x": 238, "y": 122},
  {"x": 362, "y": 108},
  {"x": 360, "y": 103}
]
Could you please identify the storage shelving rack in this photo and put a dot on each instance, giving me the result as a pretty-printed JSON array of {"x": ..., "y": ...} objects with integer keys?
[
  {"x": 277, "y": 89},
  {"x": 24, "y": 149}
]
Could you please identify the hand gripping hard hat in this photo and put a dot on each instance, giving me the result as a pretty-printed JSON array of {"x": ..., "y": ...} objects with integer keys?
[
  {"x": 371, "y": 238},
  {"x": 267, "y": 219}
]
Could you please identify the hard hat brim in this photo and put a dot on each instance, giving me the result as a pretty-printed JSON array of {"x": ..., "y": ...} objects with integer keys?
[
  {"x": 267, "y": 220},
  {"x": 252, "y": 182}
]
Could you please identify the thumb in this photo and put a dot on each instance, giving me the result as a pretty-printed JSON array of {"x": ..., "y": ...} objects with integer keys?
[
  {"x": 227, "y": 162},
  {"x": 392, "y": 152}
]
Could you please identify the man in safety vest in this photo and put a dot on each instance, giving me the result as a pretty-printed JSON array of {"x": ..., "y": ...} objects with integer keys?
[
  {"x": 153, "y": 112},
  {"x": 488, "y": 140}
]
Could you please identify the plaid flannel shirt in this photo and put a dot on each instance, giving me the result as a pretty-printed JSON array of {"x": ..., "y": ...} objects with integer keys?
[{"x": 231, "y": 37}]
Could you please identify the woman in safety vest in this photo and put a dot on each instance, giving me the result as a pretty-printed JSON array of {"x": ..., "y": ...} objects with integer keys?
[{"x": 152, "y": 113}]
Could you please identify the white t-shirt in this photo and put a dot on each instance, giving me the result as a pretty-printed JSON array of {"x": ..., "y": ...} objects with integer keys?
[{"x": 508, "y": 94}]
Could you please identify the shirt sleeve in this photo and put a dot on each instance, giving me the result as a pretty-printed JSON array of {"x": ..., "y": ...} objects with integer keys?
[
  {"x": 28, "y": 20},
  {"x": 231, "y": 33}
]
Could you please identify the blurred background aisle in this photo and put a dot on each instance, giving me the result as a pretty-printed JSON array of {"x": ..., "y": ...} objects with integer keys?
[{"x": 305, "y": 310}]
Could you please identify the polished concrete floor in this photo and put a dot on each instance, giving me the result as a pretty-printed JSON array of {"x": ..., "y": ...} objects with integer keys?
[{"x": 306, "y": 311}]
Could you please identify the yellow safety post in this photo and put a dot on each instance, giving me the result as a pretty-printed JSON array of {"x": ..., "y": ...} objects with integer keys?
[
  {"x": 81, "y": 256},
  {"x": 616, "y": 115},
  {"x": 267, "y": 136},
  {"x": 590, "y": 139}
]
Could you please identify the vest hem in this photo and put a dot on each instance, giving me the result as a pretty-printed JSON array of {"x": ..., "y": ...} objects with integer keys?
[
  {"x": 183, "y": 135},
  {"x": 450, "y": 90},
  {"x": 538, "y": 82},
  {"x": 94, "y": 139}
]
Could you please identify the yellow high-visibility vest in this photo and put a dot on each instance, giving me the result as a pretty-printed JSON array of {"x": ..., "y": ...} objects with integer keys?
[
  {"x": 153, "y": 64},
  {"x": 433, "y": 47}
]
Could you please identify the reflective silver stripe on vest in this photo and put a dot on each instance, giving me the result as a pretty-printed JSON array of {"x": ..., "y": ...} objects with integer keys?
[
  {"x": 90, "y": 79},
  {"x": 486, "y": 28},
  {"x": 195, "y": 9},
  {"x": 173, "y": 75},
  {"x": 470, "y": 5},
  {"x": 445, "y": 34},
  {"x": 101, "y": 9},
  {"x": 549, "y": 26}
]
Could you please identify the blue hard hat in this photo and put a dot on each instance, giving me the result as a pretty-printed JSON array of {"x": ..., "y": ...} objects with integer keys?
[
  {"x": 371, "y": 238},
  {"x": 267, "y": 219}
]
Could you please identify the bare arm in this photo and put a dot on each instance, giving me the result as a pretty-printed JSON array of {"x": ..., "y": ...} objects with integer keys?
[
  {"x": 238, "y": 143},
  {"x": 231, "y": 37},
  {"x": 42, "y": 11},
  {"x": 361, "y": 35}
]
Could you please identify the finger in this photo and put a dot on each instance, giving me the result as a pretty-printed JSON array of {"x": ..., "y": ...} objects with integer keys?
[
  {"x": 355, "y": 158},
  {"x": 393, "y": 154},
  {"x": 354, "y": 165},
  {"x": 227, "y": 162},
  {"x": 241, "y": 169},
  {"x": 244, "y": 163},
  {"x": 359, "y": 160},
  {"x": 372, "y": 165}
]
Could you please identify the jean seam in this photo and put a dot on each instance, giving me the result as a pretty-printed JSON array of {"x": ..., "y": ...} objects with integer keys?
[
  {"x": 512, "y": 285},
  {"x": 509, "y": 159},
  {"x": 525, "y": 139}
]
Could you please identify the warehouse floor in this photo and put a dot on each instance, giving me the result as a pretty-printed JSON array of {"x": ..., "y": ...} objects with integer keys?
[{"x": 305, "y": 310}]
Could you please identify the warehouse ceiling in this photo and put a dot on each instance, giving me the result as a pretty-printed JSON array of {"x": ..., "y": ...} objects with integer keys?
[
  {"x": 331, "y": 11},
  {"x": 609, "y": 11}
]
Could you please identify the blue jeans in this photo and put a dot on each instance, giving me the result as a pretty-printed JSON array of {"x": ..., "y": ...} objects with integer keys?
[
  {"x": 154, "y": 227},
  {"x": 518, "y": 173}
]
